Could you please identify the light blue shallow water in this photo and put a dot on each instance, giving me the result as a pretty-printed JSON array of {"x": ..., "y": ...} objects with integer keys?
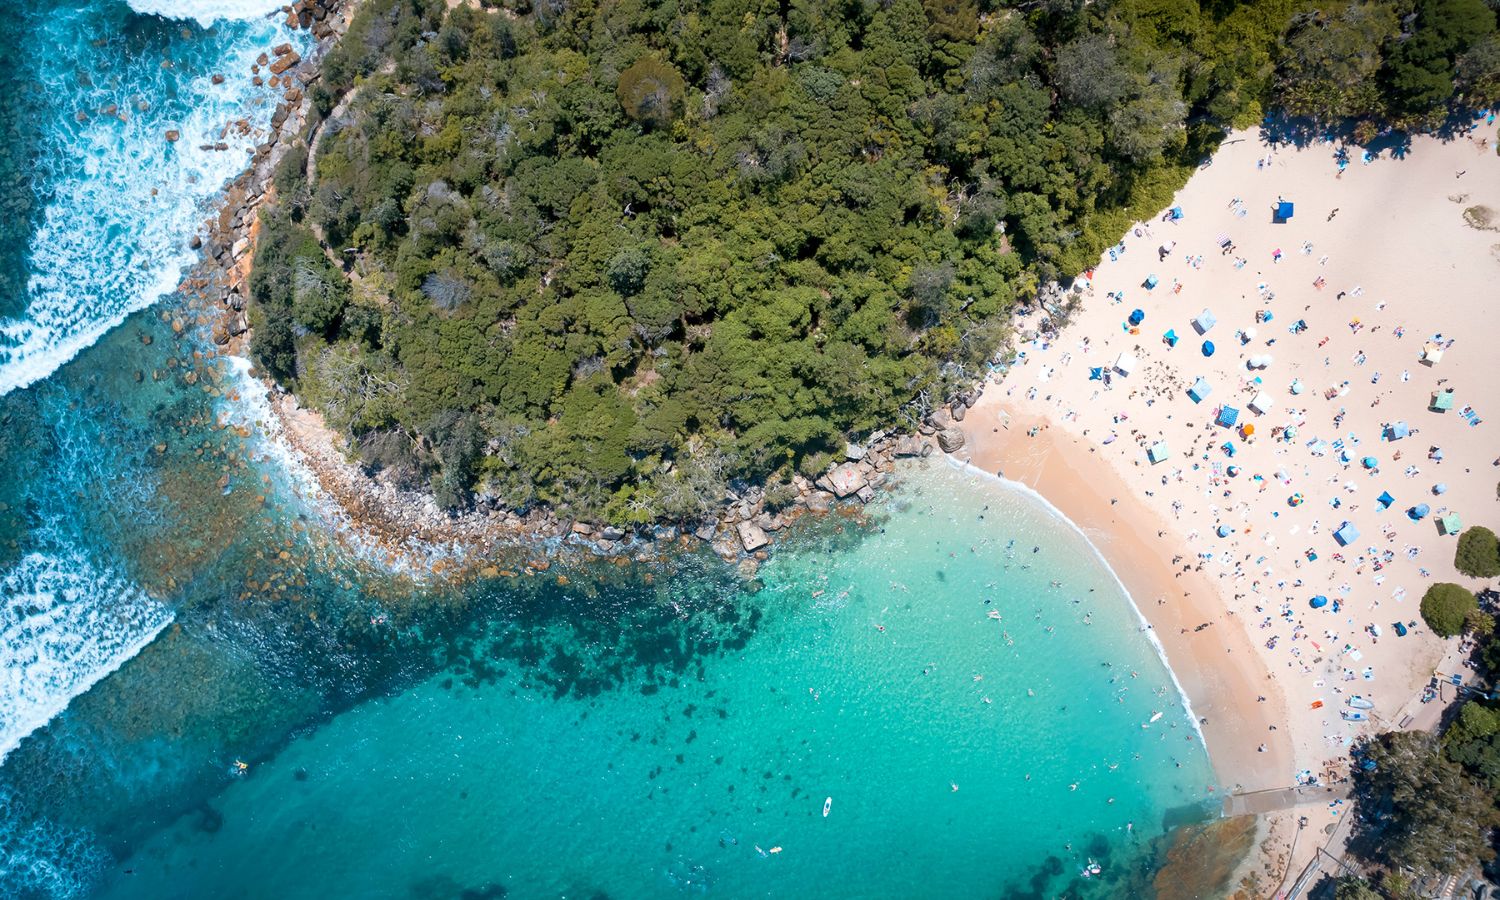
[{"x": 632, "y": 732}]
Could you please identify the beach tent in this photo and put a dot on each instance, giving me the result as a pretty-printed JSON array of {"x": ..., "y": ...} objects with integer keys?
[
  {"x": 1442, "y": 401},
  {"x": 1228, "y": 415},
  {"x": 1204, "y": 321},
  {"x": 1284, "y": 210},
  {"x": 1137, "y": 317},
  {"x": 1170, "y": 337},
  {"x": 1432, "y": 354},
  {"x": 1346, "y": 535},
  {"x": 1261, "y": 403},
  {"x": 1419, "y": 512},
  {"x": 1297, "y": 386},
  {"x": 1125, "y": 364},
  {"x": 1149, "y": 283},
  {"x": 1174, "y": 213},
  {"x": 1385, "y": 500},
  {"x": 1396, "y": 431},
  {"x": 1208, "y": 348},
  {"x": 1096, "y": 374},
  {"x": 1158, "y": 452},
  {"x": 1450, "y": 524},
  {"x": 1199, "y": 390}
]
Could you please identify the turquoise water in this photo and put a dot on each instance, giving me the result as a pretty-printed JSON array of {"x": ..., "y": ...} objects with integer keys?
[
  {"x": 170, "y": 606},
  {"x": 875, "y": 676}
]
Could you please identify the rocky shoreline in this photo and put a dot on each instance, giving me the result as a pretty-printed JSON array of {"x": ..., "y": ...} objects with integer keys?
[{"x": 408, "y": 524}]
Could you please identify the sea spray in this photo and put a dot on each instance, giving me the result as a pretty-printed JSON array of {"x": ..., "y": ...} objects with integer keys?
[
  {"x": 65, "y": 623},
  {"x": 121, "y": 198},
  {"x": 206, "y": 12}
]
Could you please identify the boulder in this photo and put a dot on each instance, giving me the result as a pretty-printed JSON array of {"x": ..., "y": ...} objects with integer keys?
[
  {"x": 706, "y": 532},
  {"x": 284, "y": 63},
  {"x": 752, "y": 536},
  {"x": 865, "y": 494},
  {"x": 939, "y": 419},
  {"x": 908, "y": 446},
  {"x": 611, "y": 533},
  {"x": 173, "y": 135},
  {"x": 582, "y": 528},
  {"x": 951, "y": 438},
  {"x": 846, "y": 478},
  {"x": 958, "y": 412},
  {"x": 854, "y": 452},
  {"x": 819, "y": 502}
]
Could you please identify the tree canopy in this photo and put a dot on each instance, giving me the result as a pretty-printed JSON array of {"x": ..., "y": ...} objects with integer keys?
[
  {"x": 1478, "y": 553},
  {"x": 614, "y": 257},
  {"x": 1445, "y": 608}
]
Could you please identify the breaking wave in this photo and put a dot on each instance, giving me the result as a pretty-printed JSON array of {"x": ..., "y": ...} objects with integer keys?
[{"x": 205, "y": 12}]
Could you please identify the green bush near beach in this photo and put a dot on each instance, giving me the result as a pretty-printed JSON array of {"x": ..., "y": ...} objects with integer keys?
[
  {"x": 630, "y": 254},
  {"x": 1445, "y": 608},
  {"x": 1478, "y": 554}
]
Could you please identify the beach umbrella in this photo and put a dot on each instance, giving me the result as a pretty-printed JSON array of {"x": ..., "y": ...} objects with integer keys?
[
  {"x": 1318, "y": 602},
  {"x": 1370, "y": 462},
  {"x": 1295, "y": 500},
  {"x": 1440, "y": 488},
  {"x": 1247, "y": 429},
  {"x": 1208, "y": 348},
  {"x": 1137, "y": 317},
  {"x": 1248, "y": 334},
  {"x": 1291, "y": 432},
  {"x": 1297, "y": 386},
  {"x": 1225, "y": 531},
  {"x": 1419, "y": 512},
  {"x": 1234, "y": 471}
]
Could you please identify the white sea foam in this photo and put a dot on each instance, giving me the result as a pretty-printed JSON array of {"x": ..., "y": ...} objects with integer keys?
[
  {"x": 122, "y": 200},
  {"x": 1146, "y": 627},
  {"x": 64, "y": 625},
  {"x": 205, "y": 12}
]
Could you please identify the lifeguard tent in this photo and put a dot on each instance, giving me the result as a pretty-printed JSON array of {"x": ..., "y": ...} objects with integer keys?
[{"x": 1283, "y": 211}]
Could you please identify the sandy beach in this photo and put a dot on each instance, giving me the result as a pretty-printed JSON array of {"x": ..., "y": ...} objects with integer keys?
[{"x": 1320, "y": 324}]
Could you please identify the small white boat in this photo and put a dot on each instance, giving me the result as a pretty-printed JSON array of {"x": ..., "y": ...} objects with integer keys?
[
  {"x": 1354, "y": 715},
  {"x": 827, "y": 806},
  {"x": 1359, "y": 702},
  {"x": 1156, "y": 716}
]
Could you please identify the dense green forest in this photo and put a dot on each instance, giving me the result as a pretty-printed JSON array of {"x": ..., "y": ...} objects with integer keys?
[{"x": 614, "y": 255}]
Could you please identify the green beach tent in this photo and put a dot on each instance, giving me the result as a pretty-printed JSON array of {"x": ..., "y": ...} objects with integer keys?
[
  {"x": 1450, "y": 524},
  {"x": 1442, "y": 401}
]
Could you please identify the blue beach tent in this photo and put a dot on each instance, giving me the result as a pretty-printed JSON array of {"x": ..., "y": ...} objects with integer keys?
[
  {"x": 1228, "y": 415},
  {"x": 1199, "y": 390},
  {"x": 1396, "y": 431},
  {"x": 1096, "y": 374},
  {"x": 1170, "y": 337},
  {"x": 1158, "y": 452},
  {"x": 1284, "y": 210},
  {"x": 1137, "y": 317},
  {"x": 1346, "y": 535},
  {"x": 1175, "y": 213},
  {"x": 1385, "y": 500}
]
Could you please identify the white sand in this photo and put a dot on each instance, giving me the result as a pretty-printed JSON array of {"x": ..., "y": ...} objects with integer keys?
[{"x": 1400, "y": 253}]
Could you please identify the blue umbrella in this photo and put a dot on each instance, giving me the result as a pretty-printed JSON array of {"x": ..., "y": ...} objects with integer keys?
[
  {"x": 1208, "y": 348},
  {"x": 1318, "y": 602}
]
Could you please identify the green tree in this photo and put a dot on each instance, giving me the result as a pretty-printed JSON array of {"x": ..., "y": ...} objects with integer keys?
[
  {"x": 650, "y": 92},
  {"x": 1349, "y": 887},
  {"x": 1445, "y": 606},
  {"x": 1478, "y": 553},
  {"x": 1419, "y": 810}
]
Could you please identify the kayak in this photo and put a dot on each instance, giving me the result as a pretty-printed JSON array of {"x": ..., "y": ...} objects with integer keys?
[{"x": 827, "y": 806}]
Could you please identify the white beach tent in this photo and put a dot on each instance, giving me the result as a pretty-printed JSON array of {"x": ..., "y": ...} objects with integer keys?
[
  {"x": 1125, "y": 364},
  {"x": 1432, "y": 354},
  {"x": 1261, "y": 403},
  {"x": 1204, "y": 321}
]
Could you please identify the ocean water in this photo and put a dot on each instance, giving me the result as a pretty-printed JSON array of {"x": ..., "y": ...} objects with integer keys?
[{"x": 172, "y": 606}]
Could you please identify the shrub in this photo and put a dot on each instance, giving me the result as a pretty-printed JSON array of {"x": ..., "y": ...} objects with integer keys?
[
  {"x": 1445, "y": 608},
  {"x": 1478, "y": 554}
]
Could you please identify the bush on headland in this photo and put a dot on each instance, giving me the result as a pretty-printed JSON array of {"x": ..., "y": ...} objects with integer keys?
[
  {"x": 618, "y": 257},
  {"x": 1445, "y": 608}
]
